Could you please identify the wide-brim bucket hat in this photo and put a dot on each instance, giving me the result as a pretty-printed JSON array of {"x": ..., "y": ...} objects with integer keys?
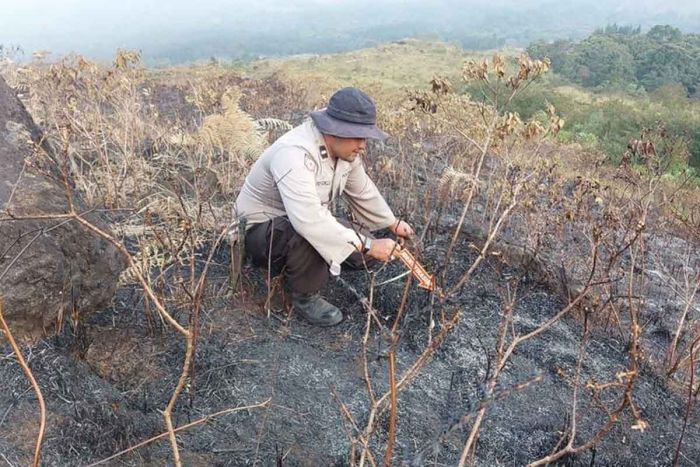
[{"x": 350, "y": 114}]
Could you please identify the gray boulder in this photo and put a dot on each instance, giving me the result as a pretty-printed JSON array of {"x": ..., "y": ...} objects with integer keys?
[{"x": 49, "y": 268}]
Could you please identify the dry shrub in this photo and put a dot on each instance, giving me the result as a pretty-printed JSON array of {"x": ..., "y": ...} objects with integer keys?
[
  {"x": 166, "y": 184},
  {"x": 233, "y": 131},
  {"x": 121, "y": 152},
  {"x": 583, "y": 226}
]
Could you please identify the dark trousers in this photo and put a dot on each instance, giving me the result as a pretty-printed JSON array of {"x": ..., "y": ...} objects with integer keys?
[{"x": 276, "y": 245}]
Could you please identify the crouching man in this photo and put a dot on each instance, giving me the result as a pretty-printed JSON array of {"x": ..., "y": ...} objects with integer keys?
[{"x": 287, "y": 194}]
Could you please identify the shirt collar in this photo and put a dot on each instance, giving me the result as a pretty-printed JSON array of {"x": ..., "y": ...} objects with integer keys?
[{"x": 317, "y": 134}]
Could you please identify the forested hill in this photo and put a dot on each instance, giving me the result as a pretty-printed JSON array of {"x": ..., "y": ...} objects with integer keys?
[{"x": 619, "y": 55}]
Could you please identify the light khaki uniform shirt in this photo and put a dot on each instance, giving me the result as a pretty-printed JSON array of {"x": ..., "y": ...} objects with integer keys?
[{"x": 293, "y": 178}]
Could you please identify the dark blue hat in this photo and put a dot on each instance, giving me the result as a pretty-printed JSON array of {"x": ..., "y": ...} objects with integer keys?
[{"x": 350, "y": 114}]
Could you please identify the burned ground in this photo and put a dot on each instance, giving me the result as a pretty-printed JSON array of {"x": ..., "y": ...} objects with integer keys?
[{"x": 105, "y": 384}]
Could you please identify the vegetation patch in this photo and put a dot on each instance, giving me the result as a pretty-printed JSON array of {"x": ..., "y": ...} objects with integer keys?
[{"x": 563, "y": 327}]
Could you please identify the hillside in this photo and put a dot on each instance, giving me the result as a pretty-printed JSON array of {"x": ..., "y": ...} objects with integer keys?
[
  {"x": 401, "y": 64},
  {"x": 564, "y": 329},
  {"x": 604, "y": 118}
]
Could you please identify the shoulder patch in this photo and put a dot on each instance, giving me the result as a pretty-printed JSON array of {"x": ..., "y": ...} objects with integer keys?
[{"x": 310, "y": 163}]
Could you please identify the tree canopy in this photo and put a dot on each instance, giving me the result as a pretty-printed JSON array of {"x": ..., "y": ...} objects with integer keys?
[{"x": 620, "y": 55}]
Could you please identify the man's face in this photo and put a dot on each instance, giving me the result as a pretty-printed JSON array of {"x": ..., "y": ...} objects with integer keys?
[{"x": 347, "y": 149}]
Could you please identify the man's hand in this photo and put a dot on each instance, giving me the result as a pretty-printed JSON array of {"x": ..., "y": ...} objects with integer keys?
[
  {"x": 384, "y": 249},
  {"x": 402, "y": 229}
]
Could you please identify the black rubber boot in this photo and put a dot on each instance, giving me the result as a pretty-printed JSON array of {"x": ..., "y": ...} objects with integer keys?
[{"x": 317, "y": 311}]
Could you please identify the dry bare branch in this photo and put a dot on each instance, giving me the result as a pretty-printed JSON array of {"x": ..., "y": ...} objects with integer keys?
[{"x": 30, "y": 376}]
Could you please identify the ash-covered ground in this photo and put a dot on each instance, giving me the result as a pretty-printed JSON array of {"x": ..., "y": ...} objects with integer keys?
[{"x": 106, "y": 383}]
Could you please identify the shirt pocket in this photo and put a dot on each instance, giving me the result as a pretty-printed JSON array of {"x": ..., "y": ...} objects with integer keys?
[{"x": 323, "y": 188}]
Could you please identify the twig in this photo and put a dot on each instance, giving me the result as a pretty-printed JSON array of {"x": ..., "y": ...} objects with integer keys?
[
  {"x": 688, "y": 409},
  {"x": 346, "y": 412},
  {"x": 29, "y": 243},
  {"x": 364, "y": 301},
  {"x": 395, "y": 336},
  {"x": 37, "y": 390},
  {"x": 16, "y": 184},
  {"x": 197, "y": 305},
  {"x": 472, "y": 191},
  {"x": 178, "y": 429},
  {"x": 504, "y": 357},
  {"x": 484, "y": 403},
  {"x": 482, "y": 254},
  {"x": 673, "y": 363},
  {"x": 626, "y": 400},
  {"x": 187, "y": 334},
  {"x": 7, "y": 460},
  {"x": 409, "y": 375},
  {"x": 389, "y": 453}
]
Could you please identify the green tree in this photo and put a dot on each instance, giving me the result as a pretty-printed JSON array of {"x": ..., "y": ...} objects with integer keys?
[
  {"x": 669, "y": 58},
  {"x": 559, "y": 53},
  {"x": 600, "y": 59},
  {"x": 664, "y": 33}
]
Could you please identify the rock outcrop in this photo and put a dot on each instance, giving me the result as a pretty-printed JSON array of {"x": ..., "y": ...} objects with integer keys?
[{"x": 49, "y": 268}]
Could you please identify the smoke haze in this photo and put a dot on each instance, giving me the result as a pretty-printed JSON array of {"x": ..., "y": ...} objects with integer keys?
[{"x": 179, "y": 30}]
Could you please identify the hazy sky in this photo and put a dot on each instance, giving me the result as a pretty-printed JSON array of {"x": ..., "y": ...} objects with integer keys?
[{"x": 96, "y": 27}]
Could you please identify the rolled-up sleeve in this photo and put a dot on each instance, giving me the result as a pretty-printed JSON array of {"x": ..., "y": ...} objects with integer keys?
[
  {"x": 296, "y": 183},
  {"x": 367, "y": 203}
]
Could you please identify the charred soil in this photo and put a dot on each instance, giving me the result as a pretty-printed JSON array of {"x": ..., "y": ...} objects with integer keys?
[{"x": 106, "y": 381}]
